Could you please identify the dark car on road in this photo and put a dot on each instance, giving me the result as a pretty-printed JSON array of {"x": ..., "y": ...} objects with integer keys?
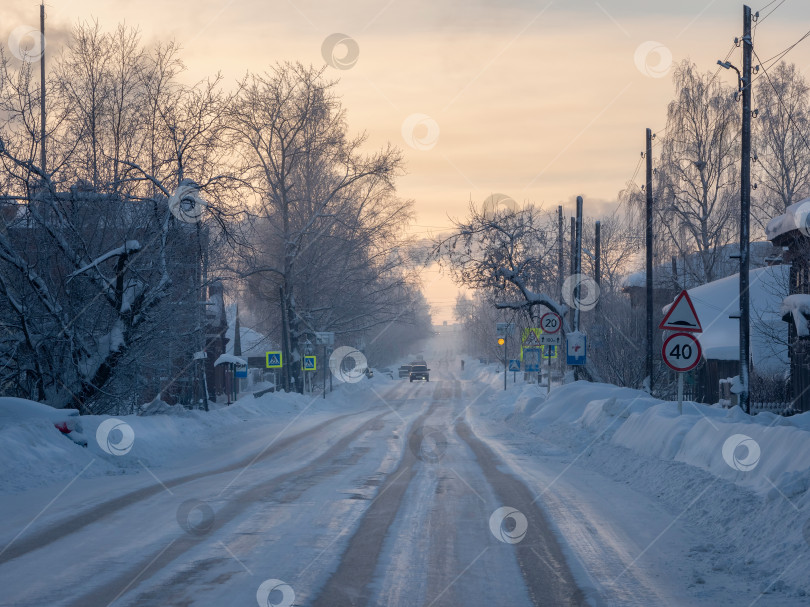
[
  {"x": 404, "y": 371},
  {"x": 419, "y": 372}
]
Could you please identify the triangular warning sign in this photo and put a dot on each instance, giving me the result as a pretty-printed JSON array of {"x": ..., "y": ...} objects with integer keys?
[
  {"x": 681, "y": 315},
  {"x": 531, "y": 341}
]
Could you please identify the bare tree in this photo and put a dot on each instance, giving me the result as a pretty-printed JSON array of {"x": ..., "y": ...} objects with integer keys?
[
  {"x": 698, "y": 168},
  {"x": 510, "y": 255},
  {"x": 94, "y": 269},
  {"x": 313, "y": 185},
  {"x": 782, "y": 149}
]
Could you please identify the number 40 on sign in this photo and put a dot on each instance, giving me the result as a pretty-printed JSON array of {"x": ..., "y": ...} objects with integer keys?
[{"x": 681, "y": 352}]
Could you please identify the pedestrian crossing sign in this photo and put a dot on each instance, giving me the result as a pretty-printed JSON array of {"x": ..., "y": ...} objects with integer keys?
[
  {"x": 309, "y": 363},
  {"x": 549, "y": 351},
  {"x": 273, "y": 360}
]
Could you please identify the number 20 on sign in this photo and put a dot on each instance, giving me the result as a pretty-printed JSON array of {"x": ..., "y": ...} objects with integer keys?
[{"x": 681, "y": 352}]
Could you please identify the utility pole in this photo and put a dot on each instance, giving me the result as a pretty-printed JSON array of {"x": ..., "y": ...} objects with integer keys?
[
  {"x": 578, "y": 260},
  {"x": 649, "y": 243},
  {"x": 505, "y": 338},
  {"x": 200, "y": 299},
  {"x": 560, "y": 251},
  {"x": 573, "y": 245},
  {"x": 597, "y": 264},
  {"x": 745, "y": 211},
  {"x": 675, "y": 273},
  {"x": 285, "y": 360},
  {"x": 560, "y": 270},
  {"x": 577, "y": 270},
  {"x": 42, "y": 86}
]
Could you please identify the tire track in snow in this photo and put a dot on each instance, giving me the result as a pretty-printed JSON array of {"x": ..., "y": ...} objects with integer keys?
[
  {"x": 349, "y": 585},
  {"x": 283, "y": 487},
  {"x": 545, "y": 572},
  {"x": 62, "y": 528}
]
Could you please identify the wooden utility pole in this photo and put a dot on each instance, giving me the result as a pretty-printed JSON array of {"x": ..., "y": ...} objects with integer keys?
[
  {"x": 42, "y": 86},
  {"x": 675, "y": 274},
  {"x": 573, "y": 245},
  {"x": 578, "y": 261},
  {"x": 649, "y": 243},
  {"x": 560, "y": 251},
  {"x": 745, "y": 213},
  {"x": 285, "y": 359},
  {"x": 597, "y": 262},
  {"x": 577, "y": 271}
]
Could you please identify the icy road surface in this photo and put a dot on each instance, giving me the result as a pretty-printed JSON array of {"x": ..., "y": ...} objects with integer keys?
[{"x": 406, "y": 500}]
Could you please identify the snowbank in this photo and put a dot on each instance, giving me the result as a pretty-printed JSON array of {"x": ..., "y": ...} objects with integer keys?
[
  {"x": 742, "y": 483},
  {"x": 36, "y": 454},
  {"x": 652, "y": 428}
]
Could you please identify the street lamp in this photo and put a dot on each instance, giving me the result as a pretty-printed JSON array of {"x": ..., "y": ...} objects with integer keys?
[{"x": 729, "y": 66}]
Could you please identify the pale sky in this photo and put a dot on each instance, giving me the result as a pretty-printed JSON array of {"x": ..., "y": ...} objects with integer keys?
[{"x": 538, "y": 100}]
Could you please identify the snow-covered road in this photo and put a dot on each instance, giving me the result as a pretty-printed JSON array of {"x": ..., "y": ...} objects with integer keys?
[{"x": 411, "y": 497}]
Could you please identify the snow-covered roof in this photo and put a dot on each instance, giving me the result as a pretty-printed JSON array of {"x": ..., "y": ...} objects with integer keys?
[
  {"x": 662, "y": 279},
  {"x": 715, "y": 301},
  {"x": 798, "y": 307},
  {"x": 636, "y": 279},
  {"x": 762, "y": 253},
  {"x": 252, "y": 342},
  {"x": 795, "y": 217},
  {"x": 229, "y": 358}
]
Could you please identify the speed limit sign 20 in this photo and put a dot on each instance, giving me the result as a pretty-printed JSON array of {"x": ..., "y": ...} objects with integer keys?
[
  {"x": 550, "y": 322},
  {"x": 681, "y": 352}
]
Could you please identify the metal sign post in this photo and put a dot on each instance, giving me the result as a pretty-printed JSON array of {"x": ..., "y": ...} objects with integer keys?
[
  {"x": 502, "y": 340},
  {"x": 550, "y": 323},
  {"x": 503, "y": 330},
  {"x": 325, "y": 339},
  {"x": 514, "y": 367},
  {"x": 681, "y": 351}
]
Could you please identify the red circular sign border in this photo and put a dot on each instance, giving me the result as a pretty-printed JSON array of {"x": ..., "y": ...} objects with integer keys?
[
  {"x": 559, "y": 323},
  {"x": 690, "y": 336}
]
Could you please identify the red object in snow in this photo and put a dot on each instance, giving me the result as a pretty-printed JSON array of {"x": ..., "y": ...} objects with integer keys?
[{"x": 62, "y": 427}]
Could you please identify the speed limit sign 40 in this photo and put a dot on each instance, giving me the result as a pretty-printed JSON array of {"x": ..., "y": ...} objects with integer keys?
[
  {"x": 681, "y": 352},
  {"x": 550, "y": 322}
]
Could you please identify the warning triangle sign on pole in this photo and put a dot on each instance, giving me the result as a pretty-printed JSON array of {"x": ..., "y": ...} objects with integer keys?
[
  {"x": 681, "y": 315},
  {"x": 531, "y": 341}
]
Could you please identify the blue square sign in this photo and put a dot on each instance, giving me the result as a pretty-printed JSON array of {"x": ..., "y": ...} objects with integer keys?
[
  {"x": 531, "y": 360},
  {"x": 575, "y": 348}
]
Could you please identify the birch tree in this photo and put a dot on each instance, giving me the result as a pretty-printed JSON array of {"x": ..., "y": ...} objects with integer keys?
[
  {"x": 782, "y": 140},
  {"x": 288, "y": 128},
  {"x": 698, "y": 167}
]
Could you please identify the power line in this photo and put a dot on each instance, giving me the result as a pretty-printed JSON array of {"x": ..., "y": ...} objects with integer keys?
[
  {"x": 766, "y": 6},
  {"x": 781, "y": 103},
  {"x": 781, "y": 54},
  {"x": 761, "y": 19}
]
